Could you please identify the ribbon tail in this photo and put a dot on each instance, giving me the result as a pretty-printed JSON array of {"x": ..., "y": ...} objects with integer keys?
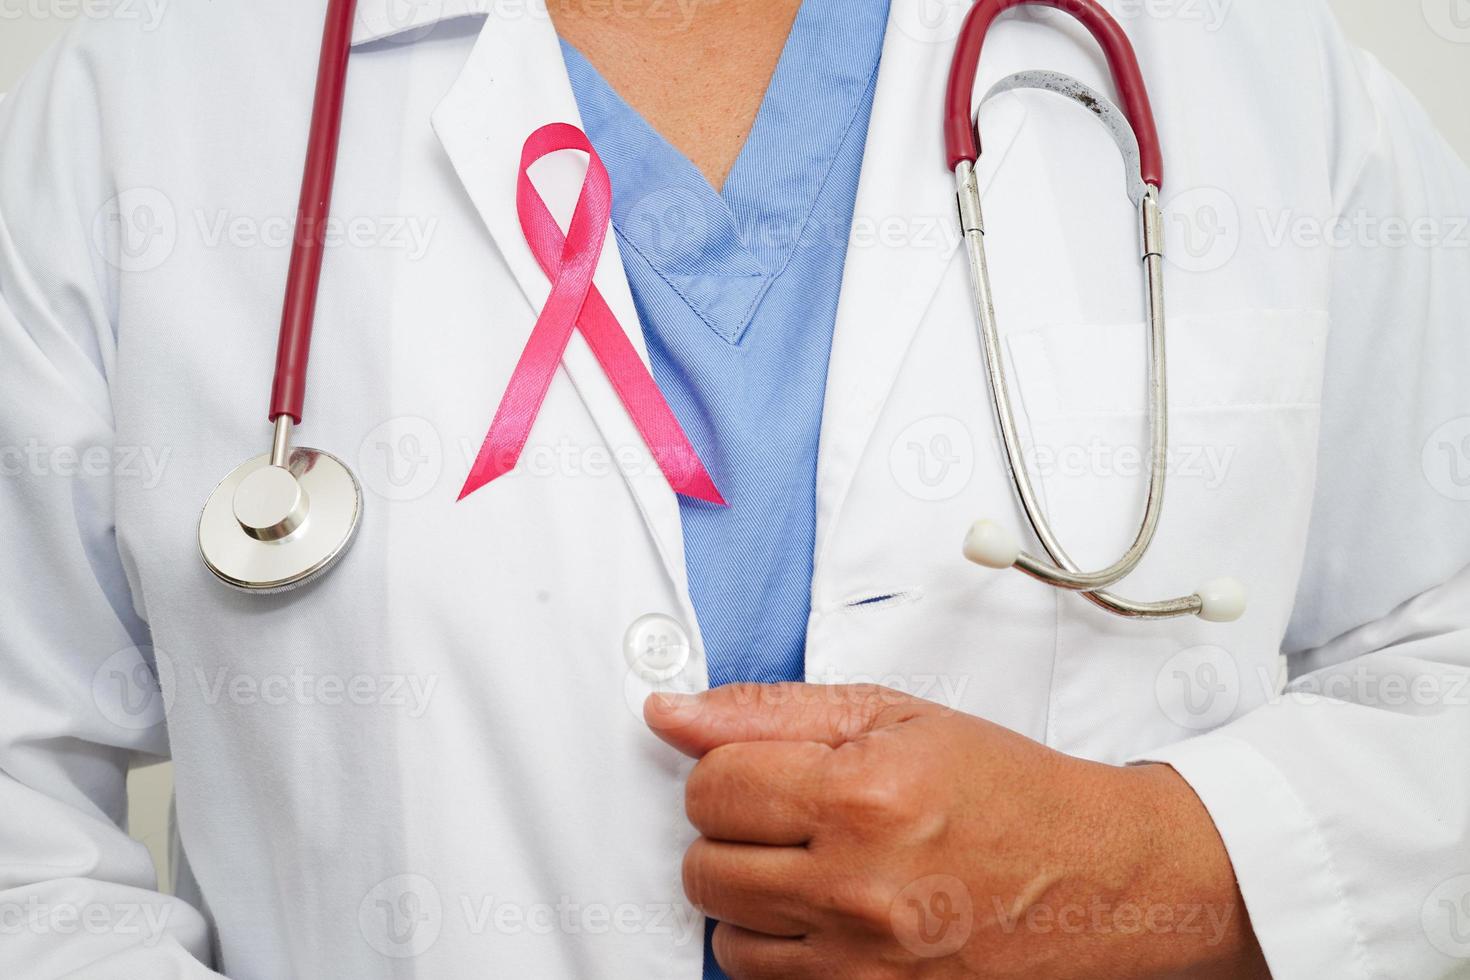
[
  {"x": 701, "y": 486},
  {"x": 502, "y": 447},
  {"x": 640, "y": 395},
  {"x": 484, "y": 470},
  {"x": 527, "y": 389}
]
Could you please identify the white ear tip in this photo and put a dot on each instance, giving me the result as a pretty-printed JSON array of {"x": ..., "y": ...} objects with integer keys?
[
  {"x": 991, "y": 545},
  {"x": 1222, "y": 600}
]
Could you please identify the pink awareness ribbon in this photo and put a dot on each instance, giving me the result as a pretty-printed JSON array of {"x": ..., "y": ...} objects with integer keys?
[{"x": 570, "y": 261}]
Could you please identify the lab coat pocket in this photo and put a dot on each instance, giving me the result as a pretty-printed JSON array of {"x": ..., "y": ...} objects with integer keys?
[{"x": 1244, "y": 394}]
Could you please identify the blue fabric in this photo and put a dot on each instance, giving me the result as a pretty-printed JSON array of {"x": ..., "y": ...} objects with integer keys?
[{"x": 737, "y": 293}]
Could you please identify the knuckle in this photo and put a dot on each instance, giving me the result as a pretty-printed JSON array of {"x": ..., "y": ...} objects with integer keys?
[
  {"x": 872, "y": 797},
  {"x": 872, "y": 696},
  {"x": 852, "y": 708},
  {"x": 744, "y": 958},
  {"x": 863, "y": 903},
  {"x": 695, "y": 873},
  {"x": 697, "y": 791},
  {"x": 706, "y": 788}
]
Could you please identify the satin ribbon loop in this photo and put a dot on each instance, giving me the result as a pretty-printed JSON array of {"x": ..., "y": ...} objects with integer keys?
[{"x": 570, "y": 262}]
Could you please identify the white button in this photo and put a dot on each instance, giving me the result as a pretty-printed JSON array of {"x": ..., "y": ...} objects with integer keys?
[{"x": 656, "y": 647}]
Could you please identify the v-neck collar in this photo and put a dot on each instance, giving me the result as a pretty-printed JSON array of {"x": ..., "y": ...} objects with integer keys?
[{"x": 721, "y": 251}]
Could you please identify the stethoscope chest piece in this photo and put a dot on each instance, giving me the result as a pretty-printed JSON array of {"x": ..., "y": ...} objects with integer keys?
[{"x": 269, "y": 528}]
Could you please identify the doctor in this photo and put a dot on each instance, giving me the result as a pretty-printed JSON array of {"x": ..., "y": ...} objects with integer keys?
[{"x": 443, "y": 760}]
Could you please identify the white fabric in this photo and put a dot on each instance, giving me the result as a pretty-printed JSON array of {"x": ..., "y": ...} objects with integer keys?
[{"x": 431, "y": 762}]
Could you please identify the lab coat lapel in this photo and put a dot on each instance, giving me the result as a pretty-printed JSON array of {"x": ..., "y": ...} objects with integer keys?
[
  {"x": 890, "y": 278},
  {"x": 514, "y": 82},
  {"x": 409, "y": 20}
]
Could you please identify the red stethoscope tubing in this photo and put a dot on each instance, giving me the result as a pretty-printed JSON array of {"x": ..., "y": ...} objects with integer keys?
[
  {"x": 288, "y": 391},
  {"x": 961, "y": 139}
]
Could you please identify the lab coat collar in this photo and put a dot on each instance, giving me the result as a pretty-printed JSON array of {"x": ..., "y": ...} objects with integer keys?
[
  {"x": 407, "y": 20},
  {"x": 514, "y": 82}
]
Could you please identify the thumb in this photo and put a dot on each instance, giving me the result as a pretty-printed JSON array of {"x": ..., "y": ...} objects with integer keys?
[{"x": 832, "y": 714}]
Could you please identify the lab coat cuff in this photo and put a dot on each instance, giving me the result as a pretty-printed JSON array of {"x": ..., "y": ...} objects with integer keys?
[{"x": 1282, "y": 861}]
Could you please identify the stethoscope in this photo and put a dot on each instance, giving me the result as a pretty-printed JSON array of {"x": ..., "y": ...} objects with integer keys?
[
  {"x": 281, "y": 519},
  {"x": 1133, "y": 129}
]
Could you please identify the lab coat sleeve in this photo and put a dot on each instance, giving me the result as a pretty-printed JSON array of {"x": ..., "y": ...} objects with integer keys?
[
  {"x": 1345, "y": 802},
  {"x": 78, "y": 704}
]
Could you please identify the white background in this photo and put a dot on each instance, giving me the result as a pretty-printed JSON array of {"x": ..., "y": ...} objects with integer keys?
[{"x": 1425, "y": 42}]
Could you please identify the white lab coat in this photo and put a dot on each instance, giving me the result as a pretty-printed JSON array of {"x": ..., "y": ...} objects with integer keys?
[{"x": 431, "y": 762}]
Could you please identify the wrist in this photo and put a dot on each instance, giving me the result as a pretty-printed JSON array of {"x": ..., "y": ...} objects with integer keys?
[{"x": 1184, "y": 879}]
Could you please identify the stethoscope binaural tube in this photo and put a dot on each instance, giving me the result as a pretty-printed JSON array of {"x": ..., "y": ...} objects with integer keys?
[
  {"x": 962, "y": 134},
  {"x": 1134, "y": 130},
  {"x": 281, "y": 519}
]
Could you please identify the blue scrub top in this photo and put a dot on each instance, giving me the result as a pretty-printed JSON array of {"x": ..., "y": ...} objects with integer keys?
[{"x": 737, "y": 294}]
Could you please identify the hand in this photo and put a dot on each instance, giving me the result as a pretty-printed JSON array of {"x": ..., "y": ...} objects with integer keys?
[{"x": 858, "y": 832}]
